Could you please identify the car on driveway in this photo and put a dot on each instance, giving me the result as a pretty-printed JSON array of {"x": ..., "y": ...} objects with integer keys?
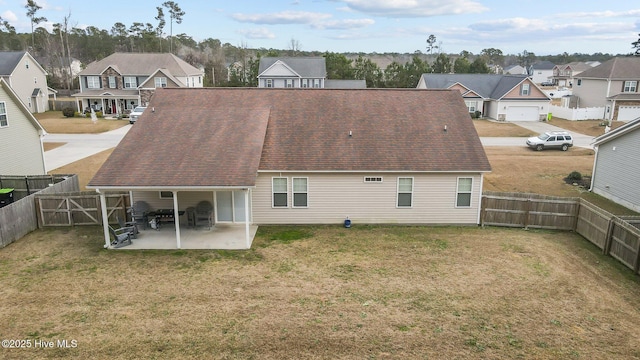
[
  {"x": 135, "y": 113},
  {"x": 562, "y": 140}
]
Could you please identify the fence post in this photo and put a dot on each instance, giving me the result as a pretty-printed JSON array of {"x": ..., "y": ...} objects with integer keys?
[
  {"x": 527, "y": 209},
  {"x": 609, "y": 238}
]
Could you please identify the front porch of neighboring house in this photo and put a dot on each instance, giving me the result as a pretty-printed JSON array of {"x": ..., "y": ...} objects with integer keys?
[
  {"x": 231, "y": 220},
  {"x": 108, "y": 105}
]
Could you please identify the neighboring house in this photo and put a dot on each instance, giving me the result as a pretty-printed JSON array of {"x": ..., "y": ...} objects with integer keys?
[
  {"x": 20, "y": 136},
  {"x": 616, "y": 167},
  {"x": 304, "y": 156},
  {"x": 27, "y": 78},
  {"x": 515, "y": 70},
  {"x": 541, "y": 72},
  {"x": 499, "y": 97},
  {"x": 612, "y": 85},
  {"x": 563, "y": 75},
  {"x": 122, "y": 81},
  {"x": 300, "y": 72}
]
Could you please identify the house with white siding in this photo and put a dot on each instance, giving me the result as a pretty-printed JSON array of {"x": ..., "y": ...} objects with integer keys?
[
  {"x": 616, "y": 167},
  {"x": 303, "y": 156},
  {"x": 20, "y": 136},
  {"x": 27, "y": 78},
  {"x": 300, "y": 72}
]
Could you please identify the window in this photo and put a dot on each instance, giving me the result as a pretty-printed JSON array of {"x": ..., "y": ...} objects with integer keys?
[
  {"x": 579, "y": 82},
  {"x": 93, "y": 82},
  {"x": 373, "y": 179},
  {"x": 166, "y": 194},
  {"x": 3, "y": 115},
  {"x": 300, "y": 192},
  {"x": 35, "y": 80},
  {"x": 26, "y": 64},
  {"x": 130, "y": 82},
  {"x": 305, "y": 83},
  {"x": 630, "y": 86},
  {"x": 288, "y": 83},
  {"x": 405, "y": 192},
  {"x": 269, "y": 83},
  {"x": 525, "y": 89},
  {"x": 463, "y": 196},
  {"x": 279, "y": 190},
  {"x": 112, "y": 82},
  {"x": 316, "y": 83},
  {"x": 471, "y": 105},
  {"x": 160, "y": 81}
]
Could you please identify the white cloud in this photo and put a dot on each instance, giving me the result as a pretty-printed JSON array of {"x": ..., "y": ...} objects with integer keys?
[
  {"x": 414, "y": 8},
  {"x": 258, "y": 33},
  {"x": 9, "y": 16},
  {"x": 601, "y": 14},
  {"x": 343, "y": 24},
  {"x": 284, "y": 17}
]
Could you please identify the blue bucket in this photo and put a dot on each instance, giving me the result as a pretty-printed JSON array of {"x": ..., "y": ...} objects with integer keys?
[{"x": 347, "y": 223}]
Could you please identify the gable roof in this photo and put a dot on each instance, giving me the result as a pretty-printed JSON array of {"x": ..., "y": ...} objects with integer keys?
[
  {"x": 23, "y": 108},
  {"x": 216, "y": 137},
  {"x": 543, "y": 65},
  {"x": 9, "y": 61},
  {"x": 488, "y": 86},
  {"x": 578, "y": 66},
  {"x": 616, "y": 68},
  {"x": 617, "y": 132},
  {"x": 306, "y": 67},
  {"x": 141, "y": 64}
]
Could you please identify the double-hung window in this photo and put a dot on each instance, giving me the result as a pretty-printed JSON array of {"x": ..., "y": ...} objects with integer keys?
[
  {"x": 160, "y": 81},
  {"x": 288, "y": 83},
  {"x": 269, "y": 83},
  {"x": 93, "y": 82},
  {"x": 630, "y": 86},
  {"x": 300, "y": 192},
  {"x": 405, "y": 192},
  {"x": 3, "y": 115},
  {"x": 279, "y": 191},
  {"x": 305, "y": 83},
  {"x": 130, "y": 82},
  {"x": 525, "y": 90},
  {"x": 463, "y": 194},
  {"x": 112, "y": 82}
]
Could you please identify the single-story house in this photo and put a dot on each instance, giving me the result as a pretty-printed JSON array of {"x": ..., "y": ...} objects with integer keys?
[
  {"x": 20, "y": 136},
  {"x": 303, "y": 156},
  {"x": 616, "y": 167},
  {"x": 498, "y": 97}
]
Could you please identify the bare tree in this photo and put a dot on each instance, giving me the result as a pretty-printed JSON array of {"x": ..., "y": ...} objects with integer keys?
[
  {"x": 176, "y": 15},
  {"x": 32, "y": 8},
  {"x": 294, "y": 47}
]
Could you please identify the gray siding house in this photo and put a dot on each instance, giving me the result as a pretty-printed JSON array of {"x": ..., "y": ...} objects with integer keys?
[
  {"x": 304, "y": 156},
  {"x": 20, "y": 136},
  {"x": 616, "y": 167},
  {"x": 27, "y": 78},
  {"x": 300, "y": 72}
]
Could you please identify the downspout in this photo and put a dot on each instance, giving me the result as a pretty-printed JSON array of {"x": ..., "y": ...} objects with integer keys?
[{"x": 593, "y": 171}]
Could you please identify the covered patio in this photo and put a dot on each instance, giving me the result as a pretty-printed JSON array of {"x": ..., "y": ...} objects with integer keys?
[{"x": 220, "y": 236}]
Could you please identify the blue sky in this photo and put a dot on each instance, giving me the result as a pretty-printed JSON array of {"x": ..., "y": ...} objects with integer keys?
[{"x": 541, "y": 26}]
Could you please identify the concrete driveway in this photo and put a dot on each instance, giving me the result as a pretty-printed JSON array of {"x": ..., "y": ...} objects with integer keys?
[{"x": 579, "y": 140}]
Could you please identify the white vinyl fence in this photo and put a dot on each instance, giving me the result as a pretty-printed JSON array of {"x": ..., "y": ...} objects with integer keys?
[{"x": 594, "y": 113}]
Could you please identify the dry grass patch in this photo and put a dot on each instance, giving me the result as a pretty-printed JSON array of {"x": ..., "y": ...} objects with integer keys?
[
  {"x": 85, "y": 168},
  {"x": 51, "y": 145},
  {"x": 587, "y": 127},
  {"x": 487, "y": 128},
  {"x": 324, "y": 293},
  {"x": 55, "y": 123}
]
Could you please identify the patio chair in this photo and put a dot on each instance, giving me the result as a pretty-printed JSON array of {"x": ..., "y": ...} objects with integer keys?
[
  {"x": 121, "y": 237},
  {"x": 139, "y": 212},
  {"x": 129, "y": 224},
  {"x": 204, "y": 214},
  {"x": 191, "y": 216}
]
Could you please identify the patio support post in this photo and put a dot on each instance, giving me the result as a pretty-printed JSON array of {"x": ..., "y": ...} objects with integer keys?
[
  {"x": 246, "y": 218},
  {"x": 176, "y": 218},
  {"x": 105, "y": 218}
]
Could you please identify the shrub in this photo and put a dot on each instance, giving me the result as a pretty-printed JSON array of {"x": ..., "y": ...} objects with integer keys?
[
  {"x": 478, "y": 114},
  {"x": 575, "y": 176},
  {"x": 99, "y": 114},
  {"x": 68, "y": 112}
]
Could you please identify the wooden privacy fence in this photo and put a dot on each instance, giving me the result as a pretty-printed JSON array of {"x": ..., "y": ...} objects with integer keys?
[
  {"x": 81, "y": 208},
  {"x": 618, "y": 237},
  {"x": 24, "y": 186}
]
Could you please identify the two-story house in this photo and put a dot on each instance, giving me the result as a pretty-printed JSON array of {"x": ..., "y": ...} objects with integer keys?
[
  {"x": 541, "y": 72},
  {"x": 499, "y": 97},
  {"x": 563, "y": 75},
  {"x": 300, "y": 72},
  {"x": 122, "y": 81},
  {"x": 612, "y": 85},
  {"x": 27, "y": 78}
]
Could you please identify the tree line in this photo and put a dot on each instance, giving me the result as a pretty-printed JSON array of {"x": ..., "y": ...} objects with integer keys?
[{"x": 229, "y": 65}]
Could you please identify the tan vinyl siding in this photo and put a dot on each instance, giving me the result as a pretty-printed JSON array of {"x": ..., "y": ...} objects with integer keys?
[
  {"x": 185, "y": 200},
  {"x": 20, "y": 143},
  {"x": 593, "y": 92},
  {"x": 24, "y": 81},
  {"x": 333, "y": 197}
]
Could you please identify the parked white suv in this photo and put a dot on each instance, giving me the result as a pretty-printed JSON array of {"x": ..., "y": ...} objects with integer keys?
[
  {"x": 552, "y": 139},
  {"x": 135, "y": 113}
]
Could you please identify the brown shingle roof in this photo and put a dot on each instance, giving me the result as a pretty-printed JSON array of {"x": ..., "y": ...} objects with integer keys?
[
  {"x": 625, "y": 68},
  {"x": 141, "y": 64},
  {"x": 217, "y": 137}
]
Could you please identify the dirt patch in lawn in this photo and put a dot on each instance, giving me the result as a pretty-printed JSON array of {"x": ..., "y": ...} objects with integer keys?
[
  {"x": 364, "y": 292},
  {"x": 488, "y": 128},
  {"x": 51, "y": 145},
  {"x": 587, "y": 127},
  {"x": 85, "y": 168},
  {"x": 55, "y": 123}
]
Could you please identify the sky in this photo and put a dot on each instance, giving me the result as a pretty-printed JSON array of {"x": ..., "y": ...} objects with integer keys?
[{"x": 544, "y": 27}]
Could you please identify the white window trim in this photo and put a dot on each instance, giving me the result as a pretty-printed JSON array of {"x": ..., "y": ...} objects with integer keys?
[
  {"x": 413, "y": 186},
  {"x": 6, "y": 116},
  {"x": 373, "y": 179},
  {"x": 294, "y": 192},
  {"x": 160, "y": 81},
  {"x": 268, "y": 83},
  {"x": 631, "y": 87},
  {"x": 526, "y": 90},
  {"x": 126, "y": 82},
  {"x": 273, "y": 193},
  {"x": 288, "y": 83},
  {"x": 470, "y": 192},
  {"x": 113, "y": 82},
  {"x": 93, "y": 82}
]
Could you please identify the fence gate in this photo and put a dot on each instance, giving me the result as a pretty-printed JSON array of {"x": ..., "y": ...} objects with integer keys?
[{"x": 79, "y": 209}]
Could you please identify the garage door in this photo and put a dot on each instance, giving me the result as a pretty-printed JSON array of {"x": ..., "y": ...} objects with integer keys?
[
  {"x": 522, "y": 113},
  {"x": 626, "y": 113}
]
